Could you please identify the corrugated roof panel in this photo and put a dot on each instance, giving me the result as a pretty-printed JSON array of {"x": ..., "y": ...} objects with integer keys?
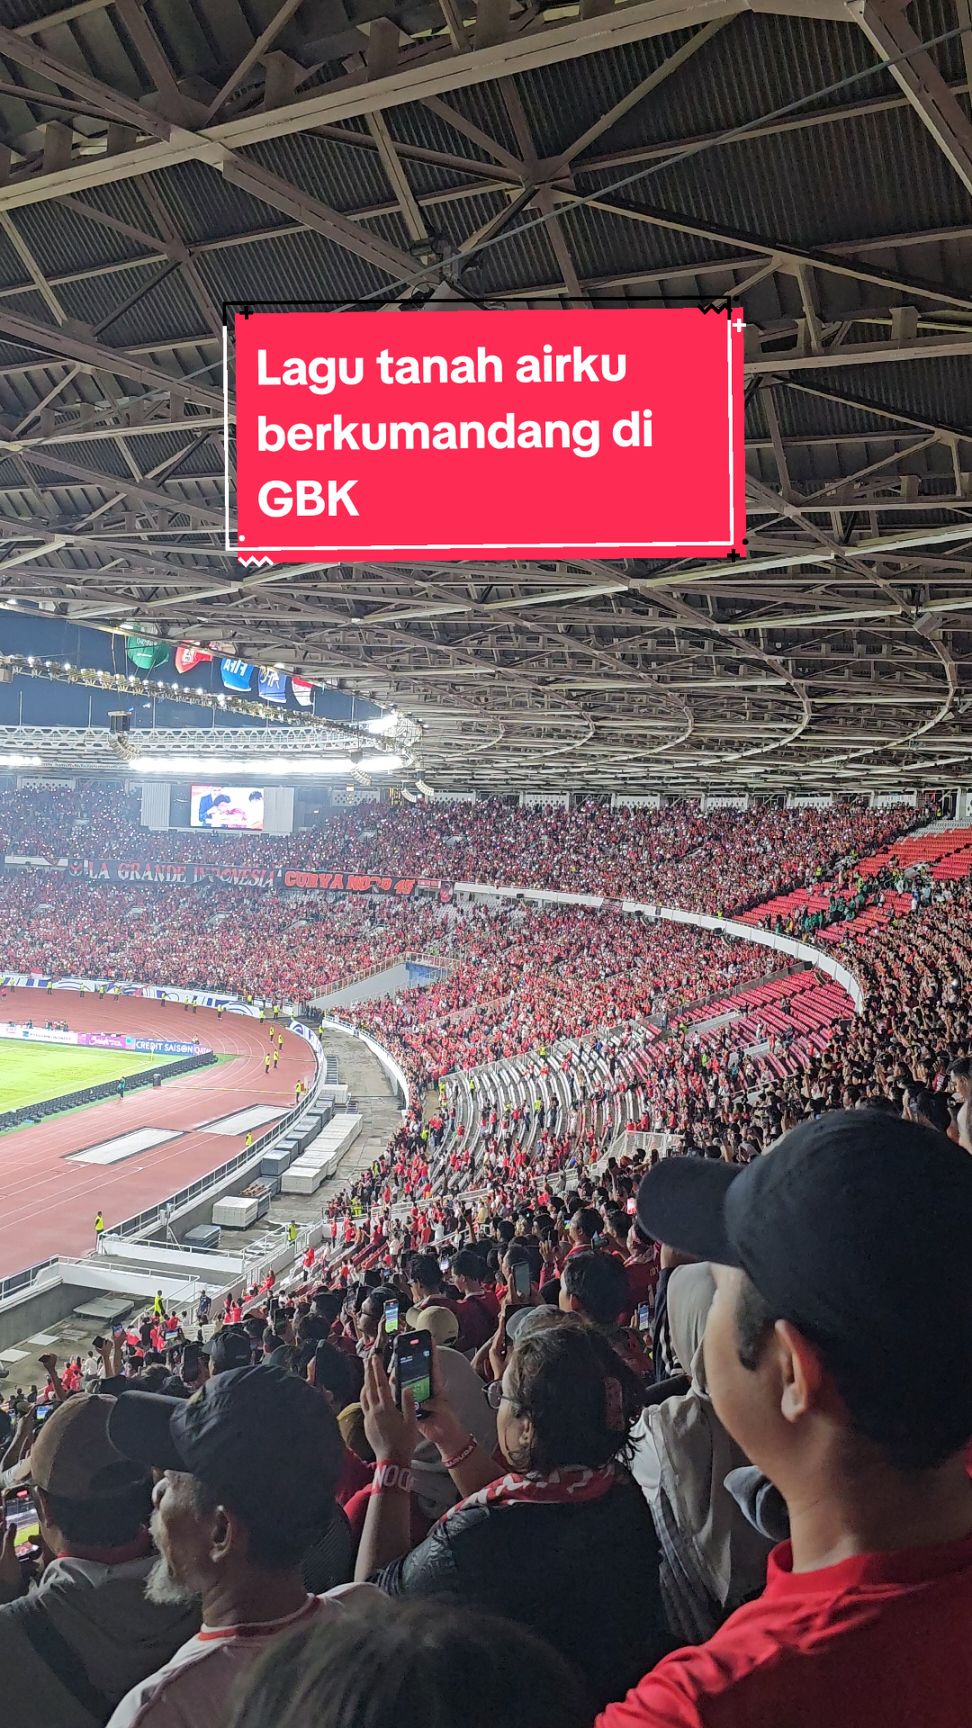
[
  {"x": 29, "y": 11},
  {"x": 204, "y": 206},
  {"x": 935, "y": 390},
  {"x": 750, "y": 68},
  {"x": 298, "y": 266},
  {"x": 801, "y": 412},
  {"x": 602, "y": 243},
  {"x": 166, "y": 307},
  {"x": 764, "y": 187},
  {"x": 343, "y": 176},
  {"x": 204, "y": 460},
  {"x": 12, "y": 271},
  {"x": 931, "y": 18},
  {"x": 563, "y": 100},
  {"x": 122, "y": 199},
  {"x": 101, "y": 453},
  {"x": 14, "y": 352},
  {"x": 196, "y": 37},
  {"x": 415, "y": 123},
  {"x": 63, "y": 240},
  {"x": 152, "y": 450},
  {"x": 96, "y": 43}
]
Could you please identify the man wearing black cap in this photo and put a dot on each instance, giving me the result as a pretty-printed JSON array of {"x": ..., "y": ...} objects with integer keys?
[
  {"x": 251, "y": 1463},
  {"x": 229, "y": 1349},
  {"x": 838, "y": 1353}
]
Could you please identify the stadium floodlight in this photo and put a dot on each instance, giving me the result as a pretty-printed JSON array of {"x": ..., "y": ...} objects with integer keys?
[
  {"x": 270, "y": 766},
  {"x": 383, "y": 723}
]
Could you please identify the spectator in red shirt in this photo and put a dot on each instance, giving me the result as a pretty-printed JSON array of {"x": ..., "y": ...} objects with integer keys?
[
  {"x": 478, "y": 1311},
  {"x": 848, "y": 1382}
]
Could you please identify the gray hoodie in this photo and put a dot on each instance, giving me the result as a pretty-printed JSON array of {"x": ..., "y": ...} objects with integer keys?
[{"x": 72, "y": 1648}]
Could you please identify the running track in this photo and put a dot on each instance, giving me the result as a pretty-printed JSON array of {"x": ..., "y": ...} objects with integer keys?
[{"x": 47, "y": 1206}]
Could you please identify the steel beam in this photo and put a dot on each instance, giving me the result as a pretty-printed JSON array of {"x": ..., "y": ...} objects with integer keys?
[
  {"x": 69, "y": 345},
  {"x": 913, "y": 69}
]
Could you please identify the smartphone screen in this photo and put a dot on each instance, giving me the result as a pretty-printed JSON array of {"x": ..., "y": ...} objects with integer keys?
[
  {"x": 631, "y": 1206},
  {"x": 41, "y": 1413},
  {"x": 521, "y": 1278},
  {"x": 21, "y": 1511},
  {"x": 391, "y": 1318},
  {"x": 414, "y": 1358},
  {"x": 644, "y": 1317}
]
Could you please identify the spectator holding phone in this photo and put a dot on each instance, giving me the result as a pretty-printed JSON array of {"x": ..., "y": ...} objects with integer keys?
[{"x": 565, "y": 1407}]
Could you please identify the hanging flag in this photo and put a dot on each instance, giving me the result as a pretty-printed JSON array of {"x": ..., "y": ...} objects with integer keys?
[
  {"x": 146, "y": 652},
  {"x": 303, "y": 692},
  {"x": 188, "y": 657},
  {"x": 272, "y": 685},
  {"x": 236, "y": 674}
]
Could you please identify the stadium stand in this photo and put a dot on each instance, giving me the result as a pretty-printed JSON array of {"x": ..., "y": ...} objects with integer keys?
[
  {"x": 565, "y": 1059},
  {"x": 563, "y": 852}
]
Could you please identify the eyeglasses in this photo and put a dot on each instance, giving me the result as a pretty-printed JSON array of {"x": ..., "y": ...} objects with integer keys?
[{"x": 494, "y": 1394}]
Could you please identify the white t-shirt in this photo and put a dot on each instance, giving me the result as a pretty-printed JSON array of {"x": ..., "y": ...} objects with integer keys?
[{"x": 193, "y": 1689}]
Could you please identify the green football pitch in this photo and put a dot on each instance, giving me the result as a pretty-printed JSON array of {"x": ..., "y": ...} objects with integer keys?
[{"x": 31, "y": 1073}]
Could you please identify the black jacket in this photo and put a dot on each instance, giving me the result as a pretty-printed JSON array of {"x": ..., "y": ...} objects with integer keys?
[{"x": 583, "y": 1577}]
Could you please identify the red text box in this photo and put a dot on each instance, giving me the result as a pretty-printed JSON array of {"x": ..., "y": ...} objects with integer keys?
[{"x": 489, "y": 435}]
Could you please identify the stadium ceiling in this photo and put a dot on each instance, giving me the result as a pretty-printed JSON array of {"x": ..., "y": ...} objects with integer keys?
[{"x": 811, "y": 159}]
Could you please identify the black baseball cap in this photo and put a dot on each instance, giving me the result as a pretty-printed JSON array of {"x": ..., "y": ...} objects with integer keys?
[
  {"x": 855, "y": 1227},
  {"x": 230, "y": 1350},
  {"x": 255, "y": 1436}
]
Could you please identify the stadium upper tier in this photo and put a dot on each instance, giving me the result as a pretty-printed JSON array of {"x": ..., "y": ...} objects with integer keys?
[
  {"x": 512, "y": 973},
  {"x": 698, "y": 1010},
  {"x": 720, "y": 860},
  {"x": 728, "y": 1076}
]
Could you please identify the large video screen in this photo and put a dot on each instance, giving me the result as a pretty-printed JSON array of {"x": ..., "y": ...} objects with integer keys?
[{"x": 227, "y": 807}]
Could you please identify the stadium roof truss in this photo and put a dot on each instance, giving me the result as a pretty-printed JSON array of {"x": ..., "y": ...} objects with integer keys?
[{"x": 810, "y": 159}]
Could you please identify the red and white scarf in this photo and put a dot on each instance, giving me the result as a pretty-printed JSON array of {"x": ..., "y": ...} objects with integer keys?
[{"x": 571, "y": 1485}]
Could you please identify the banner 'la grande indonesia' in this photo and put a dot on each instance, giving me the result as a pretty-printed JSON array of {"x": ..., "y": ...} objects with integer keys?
[{"x": 489, "y": 435}]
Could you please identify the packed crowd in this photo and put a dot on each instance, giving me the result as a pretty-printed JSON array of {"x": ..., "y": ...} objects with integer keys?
[
  {"x": 523, "y": 979},
  {"x": 655, "y": 1449},
  {"x": 567, "y": 964},
  {"x": 470, "y": 1463},
  {"x": 717, "y": 860},
  {"x": 284, "y": 948}
]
